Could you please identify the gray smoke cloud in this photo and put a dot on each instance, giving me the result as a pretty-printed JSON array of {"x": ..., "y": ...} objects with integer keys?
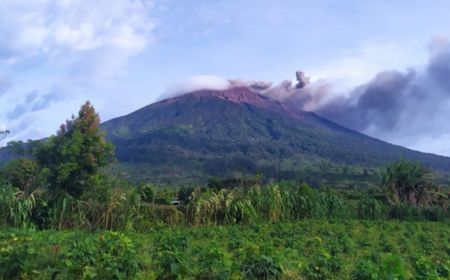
[
  {"x": 393, "y": 100},
  {"x": 302, "y": 80},
  {"x": 381, "y": 103},
  {"x": 409, "y": 108},
  {"x": 258, "y": 86}
]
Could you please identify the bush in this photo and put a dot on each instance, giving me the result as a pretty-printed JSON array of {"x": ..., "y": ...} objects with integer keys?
[
  {"x": 169, "y": 257},
  {"x": 261, "y": 267},
  {"x": 324, "y": 267},
  {"x": 213, "y": 263},
  {"x": 435, "y": 214},
  {"x": 370, "y": 208},
  {"x": 146, "y": 193},
  {"x": 365, "y": 270},
  {"x": 404, "y": 212},
  {"x": 106, "y": 256}
]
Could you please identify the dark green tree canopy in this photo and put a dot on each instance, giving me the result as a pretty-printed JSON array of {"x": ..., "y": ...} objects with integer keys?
[{"x": 72, "y": 157}]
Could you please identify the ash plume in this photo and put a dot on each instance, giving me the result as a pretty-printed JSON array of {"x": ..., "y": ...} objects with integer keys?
[
  {"x": 409, "y": 108},
  {"x": 302, "y": 80},
  {"x": 379, "y": 104}
]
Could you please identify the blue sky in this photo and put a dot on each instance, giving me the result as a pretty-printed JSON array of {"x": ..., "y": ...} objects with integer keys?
[{"x": 124, "y": 54}]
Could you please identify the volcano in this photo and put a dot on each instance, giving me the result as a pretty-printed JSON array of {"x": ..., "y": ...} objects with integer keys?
[{"x": 237, "y": 132}]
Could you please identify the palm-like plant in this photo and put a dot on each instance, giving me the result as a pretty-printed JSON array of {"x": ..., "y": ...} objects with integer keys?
[{"x": 406, "y": 182}]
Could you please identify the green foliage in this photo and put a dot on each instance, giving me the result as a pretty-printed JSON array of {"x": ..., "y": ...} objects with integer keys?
[
  {"x": 370, "y": 208},
  {"x": 169, "y": 257},
  {"x": 146, "y": 193},
  {"x": 231, "y": 183},
  {"x": 15, "y": 207},
  {"x": 106, "y": 255},
  {"x": 406, "y": 182},
  {"x": 365, "y": 270},
  {"x": 312, "y": 249},
  {"x": 111, "y": 256},
  {"x": 70, "y": 159},
  {"x": 265, "y": 203},
  {"x": 261, "y": 267},
  {"x": 426, "y": 268},
  {"x": 324, "y": 267},
  {"x": 214, "y": 263},
  {"x": 22, "y": 174}
]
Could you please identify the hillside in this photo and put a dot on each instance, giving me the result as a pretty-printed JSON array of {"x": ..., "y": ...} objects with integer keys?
[{"x": 239, "y": 132}]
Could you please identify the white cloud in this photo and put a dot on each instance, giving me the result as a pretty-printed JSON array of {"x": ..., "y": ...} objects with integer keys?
[
  {"x": 69, "y": 45},
  {"x": 198, "y": 82},
  {"x": 55, "y": 27}
]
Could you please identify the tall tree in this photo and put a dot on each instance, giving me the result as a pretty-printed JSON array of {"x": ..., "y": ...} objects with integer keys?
[{"x": 72, "y": 158}]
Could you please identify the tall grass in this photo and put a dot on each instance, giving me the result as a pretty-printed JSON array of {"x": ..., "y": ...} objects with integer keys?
[
  {"x": 264, "y": 203},
  {"x": 111, "y": 207},
  {"x": 15, "y": 207}
]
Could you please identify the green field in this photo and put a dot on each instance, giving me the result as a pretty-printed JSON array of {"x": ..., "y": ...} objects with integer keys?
[{"x": 312, "y": 249}]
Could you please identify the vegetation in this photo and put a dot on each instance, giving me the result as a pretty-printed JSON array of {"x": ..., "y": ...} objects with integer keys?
[
  {"x": 409, "y": 182},
  {"x": 63, "y": 217},
  {"x": 71, "y": 159},
  {"x": 313, "y": 249}
]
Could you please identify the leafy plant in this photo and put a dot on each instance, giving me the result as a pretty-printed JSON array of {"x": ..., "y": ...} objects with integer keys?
[{"x": 261, "y": 267}]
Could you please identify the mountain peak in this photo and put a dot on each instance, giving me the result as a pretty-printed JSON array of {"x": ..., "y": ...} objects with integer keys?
[
  {"x": 240, "y": 131},
  {"x": 236, "y": 95},
  {"x": 240, "y": 95}
]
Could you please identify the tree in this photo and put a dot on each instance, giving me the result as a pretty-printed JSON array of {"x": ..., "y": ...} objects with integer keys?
[
  {"x": 72, "y": 158},
  {"x": 21, "y": 173},
  {"x": 406, "y": 182}
]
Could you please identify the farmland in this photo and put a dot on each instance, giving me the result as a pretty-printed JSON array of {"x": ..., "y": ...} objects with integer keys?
[{"x": 312, "y": 249}]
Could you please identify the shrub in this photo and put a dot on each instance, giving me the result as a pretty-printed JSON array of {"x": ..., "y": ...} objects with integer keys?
[
  {"x": 425, "y": 268},
  {"x": 365, "y": 270},
  {"x": 106, "y": 256},
  {"x": 435, "y": 214},
  {"x": 261, "y": 267},
  {"x": 405, "y": 212},
  {"x": 324, "y": 267},
  {"x": 370, "y": 208},
  {"x": 146, "y": 193},
  {"x": 214, "y": 263},
  {"x": 169, "y": 257}
]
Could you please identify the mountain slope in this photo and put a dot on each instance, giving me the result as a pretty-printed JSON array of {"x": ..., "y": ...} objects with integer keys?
[{"x": 237, "y": 131}]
